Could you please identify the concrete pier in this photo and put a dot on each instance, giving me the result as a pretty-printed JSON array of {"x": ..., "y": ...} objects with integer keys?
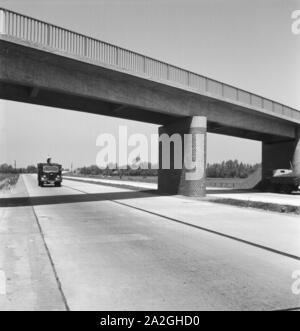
[
  {"x": 182, "y": 154},
  {"x": 281, "y": 155}
]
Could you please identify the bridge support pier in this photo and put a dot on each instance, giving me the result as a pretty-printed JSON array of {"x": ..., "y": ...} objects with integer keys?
[
  {"x": 281, "y": 156},
  {"x": 182, "y": 157},
  {"x": 296, "y": 159}
]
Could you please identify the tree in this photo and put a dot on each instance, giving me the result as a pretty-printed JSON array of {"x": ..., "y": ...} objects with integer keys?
[
  {"x": 31, "y": 169},
  {"x": 230, "y": 169}
]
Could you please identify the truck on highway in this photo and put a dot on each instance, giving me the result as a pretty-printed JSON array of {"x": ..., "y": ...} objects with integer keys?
[
  {"x": 283, "y": 180},
  {"x": 49, "y": 173}
]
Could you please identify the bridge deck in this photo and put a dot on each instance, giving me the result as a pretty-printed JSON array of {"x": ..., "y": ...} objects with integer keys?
[{"x": 24, "y": 30}]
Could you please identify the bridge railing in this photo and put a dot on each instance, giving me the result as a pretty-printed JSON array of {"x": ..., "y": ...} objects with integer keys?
[{"x": 47, "y": 35}]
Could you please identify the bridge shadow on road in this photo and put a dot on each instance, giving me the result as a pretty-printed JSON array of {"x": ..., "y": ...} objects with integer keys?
[
  {"x": 92, "y": 197},
  {"x": 73, "y": 198}
]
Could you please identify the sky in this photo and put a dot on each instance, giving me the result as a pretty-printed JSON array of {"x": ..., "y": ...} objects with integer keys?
[{"x": 245, "y": 43}]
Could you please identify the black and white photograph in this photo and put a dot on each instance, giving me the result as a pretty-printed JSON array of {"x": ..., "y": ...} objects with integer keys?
[{"x": 149, "y": 158}]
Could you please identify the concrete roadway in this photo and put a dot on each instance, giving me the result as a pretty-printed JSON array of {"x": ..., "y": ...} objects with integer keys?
[
  {"x": 86, "y": 246},
  {"x": 215, "y": 192}
]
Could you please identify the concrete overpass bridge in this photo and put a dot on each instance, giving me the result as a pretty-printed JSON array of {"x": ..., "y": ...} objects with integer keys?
[{"x": 44, "y": 64}]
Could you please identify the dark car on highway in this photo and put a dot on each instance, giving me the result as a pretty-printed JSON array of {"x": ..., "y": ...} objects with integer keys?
[{"x": 49, "y": 173}]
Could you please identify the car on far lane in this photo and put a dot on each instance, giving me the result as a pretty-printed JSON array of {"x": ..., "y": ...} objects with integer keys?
[{"x": 283, "y": 180}]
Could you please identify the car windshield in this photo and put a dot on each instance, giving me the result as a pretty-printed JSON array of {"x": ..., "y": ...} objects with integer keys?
[{"x": 49, "y": 168}]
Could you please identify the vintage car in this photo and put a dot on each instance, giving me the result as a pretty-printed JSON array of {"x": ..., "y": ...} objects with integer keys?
[{"x": 49, "y": 173}]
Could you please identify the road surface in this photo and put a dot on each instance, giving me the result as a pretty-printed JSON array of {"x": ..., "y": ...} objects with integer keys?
[
  {"x": 212, "y": 192},
  {"x": 92, "y": 247}
]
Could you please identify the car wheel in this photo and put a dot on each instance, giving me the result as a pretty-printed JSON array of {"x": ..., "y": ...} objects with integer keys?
[{"x": 287, "y": 189}]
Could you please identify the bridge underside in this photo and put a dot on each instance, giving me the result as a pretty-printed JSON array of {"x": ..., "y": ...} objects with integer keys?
[
  {"x": 39, "y": 77},
  {"x": 43, "y": 78},
  {"x": 50, "y": 98}
]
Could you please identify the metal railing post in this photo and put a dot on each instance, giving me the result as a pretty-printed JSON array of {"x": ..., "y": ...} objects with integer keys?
[
  {"x": 117, "y": 56},
  {"x": 48, "y": 35},
  {"x": 85, "y": 53}
]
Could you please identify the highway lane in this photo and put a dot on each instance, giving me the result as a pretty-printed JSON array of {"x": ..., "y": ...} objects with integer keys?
[
  {"x": 109, "y": 251},
  {"x": 271, "y": 230},
  {"x": 28, "y": 281}
]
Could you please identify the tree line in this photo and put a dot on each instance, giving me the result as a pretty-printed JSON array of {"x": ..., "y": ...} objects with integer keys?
[
  {"x": 231, "y": 169},
  {"x": 143, "y": 170},
  {"x": 225, "y": 169},
  {"x": 9, "y": 169}
]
